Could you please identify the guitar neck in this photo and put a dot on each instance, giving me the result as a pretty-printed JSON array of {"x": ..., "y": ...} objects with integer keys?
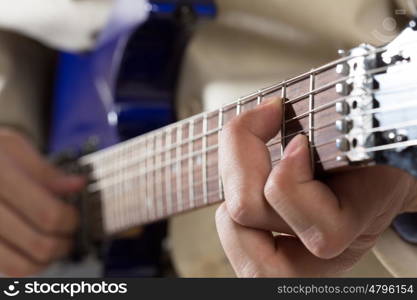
[{"x": 175, "y": 169}]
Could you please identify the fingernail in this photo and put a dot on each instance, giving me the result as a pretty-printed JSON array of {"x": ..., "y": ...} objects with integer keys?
[
  {"x": 312, "y": 238},
  {"x": 296, "y": 143},
  {"x": 272, "y": 101}
]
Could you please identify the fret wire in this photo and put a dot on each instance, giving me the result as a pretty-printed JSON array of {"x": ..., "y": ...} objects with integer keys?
[
  {"x": 174, "y": 146},
  {"x": 310, "y": 119},
  {"x": 191, "y": 164},
  {"x": 158, "y": 175},
  {"x": 259, "y": 98},
  {"x": 213, "y": 147},
  {"x": 178, "y": 169},
  {"x": 283, "y": 116},
  {"x": 143, "y": 189},
  {"x": 126, "y": 195},
  {"x": 119, "y": 196},
  {"x": 214, "y": 178},
  {"x": 238, "y": 107},
  {"x": 220, "y": 126},
  {"x": 149, "y": 188},
  {"x": 168, "y": 173},
  {"x": 204, "y": 160}
]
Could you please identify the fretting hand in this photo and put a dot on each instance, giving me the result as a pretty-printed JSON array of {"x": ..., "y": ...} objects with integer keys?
[{"x": 329, "y": 225}]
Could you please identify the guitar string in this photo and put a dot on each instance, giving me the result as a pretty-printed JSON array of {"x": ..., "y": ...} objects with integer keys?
[
  {"x": 191, "y": 140},
  {"x": 162, "y": 215},
  {"x": 184, "y": 176},
  {"x": 145, "y": 207},
  {"x": 198, "y": 185},
  {"x": 272, "y": 142},
  {"x": 142, "y": 208},
  {"x": 195, "y": 186},
  {"x": 183, "y": 158},
  {"x": 188, "y": 156},
  {"x": 261, "y": 92}
]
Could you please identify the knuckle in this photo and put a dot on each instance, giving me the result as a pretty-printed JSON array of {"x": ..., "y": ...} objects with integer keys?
[
  {"x": 273, "y": 189},
  {"x": 230, "y": 130},
  {"x": 51, "y": 218},
  {"x": 240, "y": 210}
]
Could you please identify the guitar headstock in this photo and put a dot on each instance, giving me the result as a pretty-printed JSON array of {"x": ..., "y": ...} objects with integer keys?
[{"x": 381, "y": 103}]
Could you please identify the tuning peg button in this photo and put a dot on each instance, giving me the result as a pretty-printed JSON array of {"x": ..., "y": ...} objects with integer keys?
[
  {"x": 344, "y": 125},
  {"x": 342, "y": 108},
  {"x": 343, "y": 88},
  {"x": 343, "y": 144},
  {"x": 342, "y": 69}
]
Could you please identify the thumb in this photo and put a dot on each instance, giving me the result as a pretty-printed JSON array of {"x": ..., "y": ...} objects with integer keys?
[{"x": 308, "y": 206}]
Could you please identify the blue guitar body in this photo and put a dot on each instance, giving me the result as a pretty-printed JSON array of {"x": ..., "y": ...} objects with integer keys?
[{"x": 124, "y": 88}]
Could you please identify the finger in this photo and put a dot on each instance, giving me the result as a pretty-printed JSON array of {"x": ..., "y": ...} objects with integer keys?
[
  {"x": 326, "y": 226},
  {"x": 247, "y": 249},
  {"x": 65, "y": 184},
  {"x": 243, "y": 173},
  {"x": 26, "y": 157},
  {"x": 14, "y": 264},
  {"x": 36, "y": 246},
  {"x": 34, "y": 203},
  {"x": 256, "y": 253}
]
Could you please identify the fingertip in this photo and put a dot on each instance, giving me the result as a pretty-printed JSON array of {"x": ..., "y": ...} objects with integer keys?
[
  {"x": 300, "y": 141},
  {"x": 68, "y": 183},
  {"x": 273, "y": 101}
]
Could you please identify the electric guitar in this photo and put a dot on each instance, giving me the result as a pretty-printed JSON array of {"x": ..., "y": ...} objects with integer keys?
[{"x": 358, "y": 110}]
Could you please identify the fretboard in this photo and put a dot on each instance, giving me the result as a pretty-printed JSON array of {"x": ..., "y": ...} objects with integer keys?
[{"x": 175, "y": 169}]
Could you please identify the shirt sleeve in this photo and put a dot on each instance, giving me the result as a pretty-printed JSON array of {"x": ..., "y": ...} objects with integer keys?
[
  {"x": 72, "y": 25},
  {"x": 26, "y": 69}
]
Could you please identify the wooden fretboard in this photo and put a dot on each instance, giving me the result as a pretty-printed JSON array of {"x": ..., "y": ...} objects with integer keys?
[{"x": 175, "y": 169}]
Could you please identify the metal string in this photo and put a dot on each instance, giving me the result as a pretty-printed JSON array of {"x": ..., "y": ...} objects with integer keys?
[{"x": 378, "y": 148}]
